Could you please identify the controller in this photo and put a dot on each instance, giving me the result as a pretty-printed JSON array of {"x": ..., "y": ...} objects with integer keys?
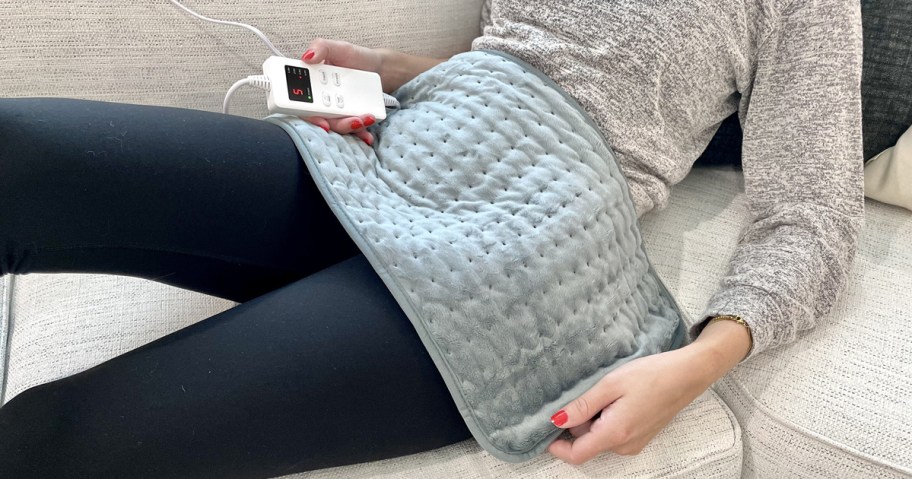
[{"x": 300, "y": 89}]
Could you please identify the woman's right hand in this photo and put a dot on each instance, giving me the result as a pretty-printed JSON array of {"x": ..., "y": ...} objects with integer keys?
[{"x": 344, "y": 54}]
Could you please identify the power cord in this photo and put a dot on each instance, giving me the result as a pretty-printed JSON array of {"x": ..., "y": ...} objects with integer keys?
[{"x": 260, "y": 81}]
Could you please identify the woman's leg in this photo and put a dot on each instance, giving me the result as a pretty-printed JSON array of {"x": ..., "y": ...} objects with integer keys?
[
  {"x": 214, "y": 203},
  {"x": 323, "y": 372}
]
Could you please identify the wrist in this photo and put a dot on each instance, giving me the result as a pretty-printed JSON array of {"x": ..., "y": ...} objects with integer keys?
[
  {"x": 719, "y": 348},
  {"x": 397, "y": 68}
]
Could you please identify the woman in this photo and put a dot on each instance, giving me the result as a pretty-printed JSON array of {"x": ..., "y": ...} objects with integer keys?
[{"x": 223, "y": 205}]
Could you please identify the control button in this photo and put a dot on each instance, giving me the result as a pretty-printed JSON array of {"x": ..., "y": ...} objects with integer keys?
[
  {"x": 337, "y": 79},
  {"x": 340, "y": 102},
  {"x": 327, "y": 99},
  {"x": 324, "y": 78}
]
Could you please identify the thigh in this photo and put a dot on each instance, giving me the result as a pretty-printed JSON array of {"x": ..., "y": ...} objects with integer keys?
[
  {"x": 215, "y": 203},
  {"x": 326, "y": 371}
]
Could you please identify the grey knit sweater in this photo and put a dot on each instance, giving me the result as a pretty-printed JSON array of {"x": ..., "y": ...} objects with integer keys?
[{"x": 658, "y": 76}]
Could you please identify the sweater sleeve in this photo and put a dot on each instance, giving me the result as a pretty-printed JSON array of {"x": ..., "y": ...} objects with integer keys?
[{"x": 802, "y": 161}]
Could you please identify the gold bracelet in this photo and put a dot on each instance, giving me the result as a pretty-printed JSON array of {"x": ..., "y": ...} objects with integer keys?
[{"x": 737, "y": 319}]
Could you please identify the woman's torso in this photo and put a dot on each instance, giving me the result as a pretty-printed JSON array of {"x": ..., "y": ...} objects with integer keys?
[{"x": 657, "y": 76}]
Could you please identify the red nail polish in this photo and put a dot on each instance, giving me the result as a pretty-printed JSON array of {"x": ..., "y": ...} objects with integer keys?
[
  {"x": 356, "y": 124},
  {"x": 325, "y": 128},
  {"x": 369, "y": 121},
  {"x": 369, "y": 142},
  {"x": 308, "y": 54},
  {"x": 559, "y": 418}
]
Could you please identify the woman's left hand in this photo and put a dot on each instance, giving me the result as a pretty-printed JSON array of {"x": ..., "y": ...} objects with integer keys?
[{"x": 634, "y": 402}]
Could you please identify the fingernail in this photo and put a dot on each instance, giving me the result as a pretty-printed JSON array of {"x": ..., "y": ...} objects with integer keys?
[
  {"x": 370, "y": 142},
  {"x": 325, "y": 128},
  {"x": 308, "y": 54},
  {"x": 369, "y": 121},
  {"x": 559, "y": 418},
  {"x": 356, "y": 124}
]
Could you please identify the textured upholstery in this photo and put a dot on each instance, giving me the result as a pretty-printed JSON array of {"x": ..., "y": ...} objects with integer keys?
[
  {"x": 5, "y": 292},
  {"x": 153, "y": 53},
  {"x": 836, "y": 403}
]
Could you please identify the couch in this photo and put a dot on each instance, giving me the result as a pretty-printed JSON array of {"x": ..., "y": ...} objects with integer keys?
[{"x": 837, "y": 403}]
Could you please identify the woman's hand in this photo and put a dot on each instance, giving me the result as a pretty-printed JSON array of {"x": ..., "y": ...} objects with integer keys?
[
  {"x": 634, "y": 402},
  {"x": 344, "y": 54},
  {"x": 395, "y": 69}
]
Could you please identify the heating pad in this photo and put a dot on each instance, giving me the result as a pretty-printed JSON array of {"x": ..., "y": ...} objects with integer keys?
[{"x": 495, "y": 212}]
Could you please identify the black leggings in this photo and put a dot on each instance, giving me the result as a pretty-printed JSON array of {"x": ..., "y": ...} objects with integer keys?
[{"x": 318, "y": 367}]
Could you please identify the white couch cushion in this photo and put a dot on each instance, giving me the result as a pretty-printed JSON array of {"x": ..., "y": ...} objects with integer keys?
[
  {"x": 67, "y": 323},
  {"x": 837, "y": 403},
  {"x": 5, "y": 293},
  {"x": 703, "y": 441}
]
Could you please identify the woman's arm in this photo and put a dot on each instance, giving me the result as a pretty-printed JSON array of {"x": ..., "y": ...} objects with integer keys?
[
  {"x": 395, "y": 69},
  {"x": 802, "y": 157}
]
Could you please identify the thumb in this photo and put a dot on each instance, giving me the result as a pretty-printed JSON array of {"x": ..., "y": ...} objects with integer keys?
[
  {"x": 588, "y": 405},
  {"x": 341, "y": 53}
]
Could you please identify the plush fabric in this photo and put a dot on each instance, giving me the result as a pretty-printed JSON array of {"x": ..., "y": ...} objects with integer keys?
[
  {"x": 837, "y": 402},
  {"x": 513, "y": 249},
  {"x": 886, "y": 85}
]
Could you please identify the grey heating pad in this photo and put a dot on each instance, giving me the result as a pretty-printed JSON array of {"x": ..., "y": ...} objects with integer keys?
[{"x": 495, "y": 212}]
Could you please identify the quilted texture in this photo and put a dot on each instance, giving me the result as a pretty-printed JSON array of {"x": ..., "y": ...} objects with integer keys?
[
  {"x": 496, "y": 214},
  {"x": 836, "y": 403}
]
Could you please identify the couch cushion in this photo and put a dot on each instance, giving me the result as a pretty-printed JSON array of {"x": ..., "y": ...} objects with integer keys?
[
  {"x": 703, "y": 441},
  {"x": 836, "y": 403},
  {"x": 153, "y": 53},
  {"x": 4, "y": 328},
  {"x": 67, "y": 323}
]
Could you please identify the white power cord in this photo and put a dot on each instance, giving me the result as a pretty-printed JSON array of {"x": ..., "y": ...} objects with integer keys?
[
  {"x": 237, "y": 24},
  {"x": 260, "y": 81}
]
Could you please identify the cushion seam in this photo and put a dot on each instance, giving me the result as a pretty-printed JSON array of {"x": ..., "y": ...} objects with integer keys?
[
  {"x": 6, "y": 324},
  {"x": 811, "y": 434},
  {"x": 722, "y": 454}
]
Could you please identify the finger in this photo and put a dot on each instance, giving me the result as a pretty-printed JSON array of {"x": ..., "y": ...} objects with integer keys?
[
  {"x": 365, "y": 136},
  {"x": 317, "y": 120},
  {"x": 589, "y": 404},
  {"x": 333, "y": 52},
  {"x": 347, "y": 124},
  {"x": 576, "y": 451},
  {"x": 583, "y": 428}
]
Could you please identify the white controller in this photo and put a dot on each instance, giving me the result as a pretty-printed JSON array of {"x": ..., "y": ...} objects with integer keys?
[{"x": 300, "y": 89}]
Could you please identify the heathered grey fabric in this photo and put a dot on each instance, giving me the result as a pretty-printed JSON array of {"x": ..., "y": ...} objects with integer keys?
[
  {"x": 659, "y": 76},
  {"x": 512, "y": 246}
]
